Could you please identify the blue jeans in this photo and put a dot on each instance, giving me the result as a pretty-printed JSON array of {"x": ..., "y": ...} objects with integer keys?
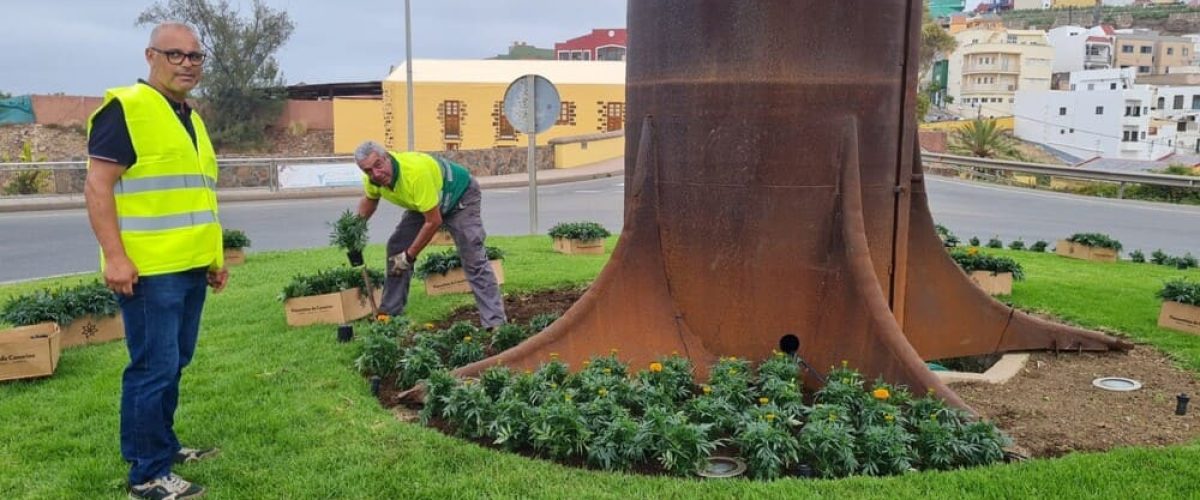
[{"x": 162, "y": 321}]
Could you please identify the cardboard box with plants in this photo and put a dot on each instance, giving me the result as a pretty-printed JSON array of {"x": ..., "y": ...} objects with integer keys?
[
  {"x": 87, "y": 313},
  {"x": 992, "y": 273},
  {"x": 332, "y": 296},
  {"x": 235, "y": 243},
  {"x": 1089, "y": 246},
  {"x": 443, "y": 273},
  {"x": 1181, "y": 306},
  {"x": 579, "y": 238}
]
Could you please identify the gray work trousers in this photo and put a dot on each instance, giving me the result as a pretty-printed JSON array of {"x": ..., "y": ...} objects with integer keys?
[{"x": 466, "y": 226}]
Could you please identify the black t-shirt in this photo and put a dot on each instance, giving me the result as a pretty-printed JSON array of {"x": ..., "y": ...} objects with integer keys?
[{"x": 109, "y": 139}]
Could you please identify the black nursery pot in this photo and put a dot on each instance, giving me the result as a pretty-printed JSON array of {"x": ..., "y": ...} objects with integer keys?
[
  {"x": 356, "y": 258},
  {"x": 345, "y": 333}
]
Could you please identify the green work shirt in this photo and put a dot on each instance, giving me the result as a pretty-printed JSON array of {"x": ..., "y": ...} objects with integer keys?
[{"x": 420, "y": 182}]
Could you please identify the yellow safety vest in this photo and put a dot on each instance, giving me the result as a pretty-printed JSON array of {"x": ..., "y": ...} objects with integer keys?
[{"x": 167, "y": 200}]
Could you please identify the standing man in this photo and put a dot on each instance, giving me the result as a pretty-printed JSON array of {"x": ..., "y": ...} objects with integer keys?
[
  {"x": 152, "y": 202},
  {"x": 434, "y": 192}
]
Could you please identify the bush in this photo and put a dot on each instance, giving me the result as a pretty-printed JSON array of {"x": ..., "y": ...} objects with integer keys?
[
  {"x": 1182, "y": 291},
  {"x": 1016, "y": 245},
  {"x": 995, "y": 243},
  {"x": 1159, "y": 257},
  {"x": 948, "y": 238},
  {"x": 1137, "y": 256},
  {"x": 974, "y": 241},
  {"x": 582, "y": 231},
  {"x": 235, "y": 239},
  {"x": 448, "y": 260},
  {"x": 1185, "y": 262},
  {"x": 329, "y": 281},
  {"x": 970, "y": 260},
  {"x": 61, "y": 305},
  {"x": 1039, "y": 246},
  {"x": 1095, "y": 240},
  {"x": 349, "y": 232}
]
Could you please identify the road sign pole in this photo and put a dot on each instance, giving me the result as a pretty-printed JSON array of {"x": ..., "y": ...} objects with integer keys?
[{"x": 531, "y": 158}]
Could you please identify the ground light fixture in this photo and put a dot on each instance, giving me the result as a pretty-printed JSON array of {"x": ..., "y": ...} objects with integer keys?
[
  {"x": 1117, "y": 384},
  {"x": 721, "y": 467},
  {"x": 1181, "y": 402}
]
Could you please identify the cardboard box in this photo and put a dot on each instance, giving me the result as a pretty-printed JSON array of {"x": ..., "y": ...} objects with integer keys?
[
  {"x": 90, "y": 330},
  {"x": 571, "y": 247},
  {"x": 29, "y": 351},
  {"x": 993, "y": 284},
  {"x": 442, "y": 238},
  {"x": 455, "y": 281},
  {"x": 1181, "y": 317},
  {"x": 332, "y": 308},
  {"x": 1076, "y": 251},
  {"x": 234, "y": 257}
]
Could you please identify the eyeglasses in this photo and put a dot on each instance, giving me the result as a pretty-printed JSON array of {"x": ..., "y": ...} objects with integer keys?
[{"x": 176, "y": 56}]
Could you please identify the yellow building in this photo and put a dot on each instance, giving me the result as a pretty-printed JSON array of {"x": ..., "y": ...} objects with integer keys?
[
  {"x": 1062, "y": 4},
  {"x": 989, "y": 67},
  {"x": 459, "y": 104}
]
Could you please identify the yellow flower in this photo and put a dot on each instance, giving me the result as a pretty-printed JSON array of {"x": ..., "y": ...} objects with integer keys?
[
  {"x": 972, "y": 251},
  {"x": 602, "y": 391},
  {"x": 889, "y": 418},
  {"x": 567, "y": 397},
  {"x": 763, "y": 401},
  {"x": 554, "y": 355},
  {"x": 674, "y": 353},
  {"x": 707, "y": 389},
  {"x": 770, "y": 417},
  {"x": 846, "y": 380},
  {"x": 845, "y": 363},
  {"x": 776, "y": 353},
  {"x": 656, "y": 367},
  {"x": 428, "y": 326},
  {"x": 881, "y": 394},
  {"x": 383, "y": 318},
  {"x": 613, "y": 351},
  {"x": 608, "y": 371},
  {"x": 833, "y": 417},
  {"x": 586, "y": 363},
  {"x": 467, "y": 338},
  {"x": 553, "y": 385},
  {"x": 733, "y": 371},
  {"x": 528, "y": 371}
]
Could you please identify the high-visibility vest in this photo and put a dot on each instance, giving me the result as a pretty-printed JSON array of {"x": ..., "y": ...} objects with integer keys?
[{"x": 167, "y": 200}]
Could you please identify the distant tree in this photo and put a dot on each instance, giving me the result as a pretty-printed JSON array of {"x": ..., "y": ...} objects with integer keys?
[
  {"x": 935, "y": 41},
  {"x": 983, "y": 138},
  {"x": 242, "y": 89}
]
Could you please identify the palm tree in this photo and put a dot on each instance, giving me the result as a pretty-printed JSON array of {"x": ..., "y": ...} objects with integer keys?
[{"x": 984, "y": 139}]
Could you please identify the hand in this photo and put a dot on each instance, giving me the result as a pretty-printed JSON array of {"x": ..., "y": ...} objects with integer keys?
[
  {"x": 120, "y": 274},
  {"x": 218, "y": 279},
  {"x": 399, "y": 264}
]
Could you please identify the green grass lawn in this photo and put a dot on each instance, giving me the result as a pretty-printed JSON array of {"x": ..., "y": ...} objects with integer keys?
[{"x": 295, "y": 421}]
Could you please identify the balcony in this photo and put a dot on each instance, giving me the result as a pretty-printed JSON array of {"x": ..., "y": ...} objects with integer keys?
[
  {"x": 991, "y": 88},
  {"x": 995, "y": 69}
]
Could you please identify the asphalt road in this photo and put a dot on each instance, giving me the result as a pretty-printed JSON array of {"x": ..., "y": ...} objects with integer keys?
[{"x": 40, "y": 244}]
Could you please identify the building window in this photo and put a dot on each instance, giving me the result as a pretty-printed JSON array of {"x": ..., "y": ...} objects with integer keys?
[
  {"x": 610, "y": 54},
  {"x": 504, "y": 129},
  {"x": 1146, "y": 49},
  {"x": 1062, "y": 111},
  {"x": 1195, "y": 101},
  {"x": 1143, "y": 135},
  {"x": 1127, "y": 49},
  {"x": 452, "y": 146},
  {"x": 1112, "y": 86},
  {"x": 1162, "y": 102},
  {"x": 1178, "y": 102},
  {"x": 1143, "y": 69},
  {"x": 566, "y": 113},
  {"x": 1091, "y": 86},
  {"x": 1185, "y": 51},
  {"x": 452, "y": 119},
  {"x": 614, "y": 116},
  {"x": 1099, "y": 110},
  {"x": 564, "y": 55},
  {"x": 1181, "y": 127},
  {"x": 1170, "y": 51}
]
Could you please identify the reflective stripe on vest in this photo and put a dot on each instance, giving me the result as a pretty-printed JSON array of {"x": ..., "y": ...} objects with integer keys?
[
  {"x": 165, "y": 222},
  {"x": 143, "y": 184}
]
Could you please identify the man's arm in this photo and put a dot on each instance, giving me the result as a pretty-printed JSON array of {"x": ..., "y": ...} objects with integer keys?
[
  {"x": 119, "y": 272},
  {"x": 366, "y": 207},
  {"x": 433, "y": 221}
]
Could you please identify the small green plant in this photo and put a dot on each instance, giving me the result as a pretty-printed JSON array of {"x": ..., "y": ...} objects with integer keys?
[
  {"x": 1182, "y": 291},
  {"x": 1095, "y": 240},
  {"x": 995, "y": 243},
  {"x": 679, "y": 446},
  {"x": 541, "y": 321},
  {"x": 1039, "y": 246},
  {"x": 416, "y": 364},
  {"x": 768, "y": 446},
  {"x": 558, "y": 429},
  {"x": 885, "y": 450},
  {"x": 1159, "y": 257},
  {"x": 378, "y": 355},
  {"x": 467, "y": 351},
  {"x": 448, "y": 260},
  {"x": 1016, "y": 244},
  {"x": 438, "y": 386},
  {"x": 329, "y": 281},
  {"x": 730, "y": 378},
  {"x": 829, "y": 445},
  {"x": 349, "y": 232},
  {"x": 1137, "y": 256},
  {"x": 974, "y": 241},
  {"x": 468, "y": 409},
  {"x": 615, "y": 445},
  {"x": 508, "y": 336},
  {"x": 61, "y": 305},
  {"x": 235, "y": 239},
  {"x": 27, "y": 181},
  {"x": 948, "y": 238},
  {"x": 582, "y": 231},
  {"x": 971, "y": 261}
]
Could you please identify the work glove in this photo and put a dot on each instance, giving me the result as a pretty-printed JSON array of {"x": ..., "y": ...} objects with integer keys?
[{"x": 400, "y": 264}]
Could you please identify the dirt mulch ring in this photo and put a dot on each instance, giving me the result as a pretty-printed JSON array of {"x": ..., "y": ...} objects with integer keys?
[{"x": 1050, "y": 409}]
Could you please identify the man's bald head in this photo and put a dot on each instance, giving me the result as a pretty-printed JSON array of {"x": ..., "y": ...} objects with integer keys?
[{"x": 175, "y": 58}]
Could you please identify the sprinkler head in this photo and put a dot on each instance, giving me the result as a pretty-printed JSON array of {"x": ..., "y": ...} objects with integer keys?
[{"x": 1181, "y": 402}]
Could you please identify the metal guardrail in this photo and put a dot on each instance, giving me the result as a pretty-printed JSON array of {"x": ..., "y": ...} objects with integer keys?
[{"x": 1121, "y": 178}]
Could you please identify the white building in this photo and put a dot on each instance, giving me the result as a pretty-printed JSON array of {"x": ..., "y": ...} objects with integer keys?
[
  {"x": 989, "y": 67},
  {"x": 1077, "y": 48},
  {"x": 1113, "y": 120},
  {"x": 1176, "y": 108}
]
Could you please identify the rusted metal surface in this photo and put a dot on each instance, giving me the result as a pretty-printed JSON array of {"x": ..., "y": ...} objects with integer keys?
[{"x": 771, "y": 167}]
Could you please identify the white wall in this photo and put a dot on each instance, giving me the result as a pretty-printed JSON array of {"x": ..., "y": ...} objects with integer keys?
[
  {"x": 1068, "y": 43},
  {"x": 1089, "y": 124}
]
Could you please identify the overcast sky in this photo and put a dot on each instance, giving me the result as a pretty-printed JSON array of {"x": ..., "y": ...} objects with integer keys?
[{"x": 82, "y": 47}]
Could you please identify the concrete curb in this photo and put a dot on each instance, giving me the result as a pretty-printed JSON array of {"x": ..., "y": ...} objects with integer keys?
[
  {"x": 551, "y": 177},
  {"x": 1003, "y": 371}
]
